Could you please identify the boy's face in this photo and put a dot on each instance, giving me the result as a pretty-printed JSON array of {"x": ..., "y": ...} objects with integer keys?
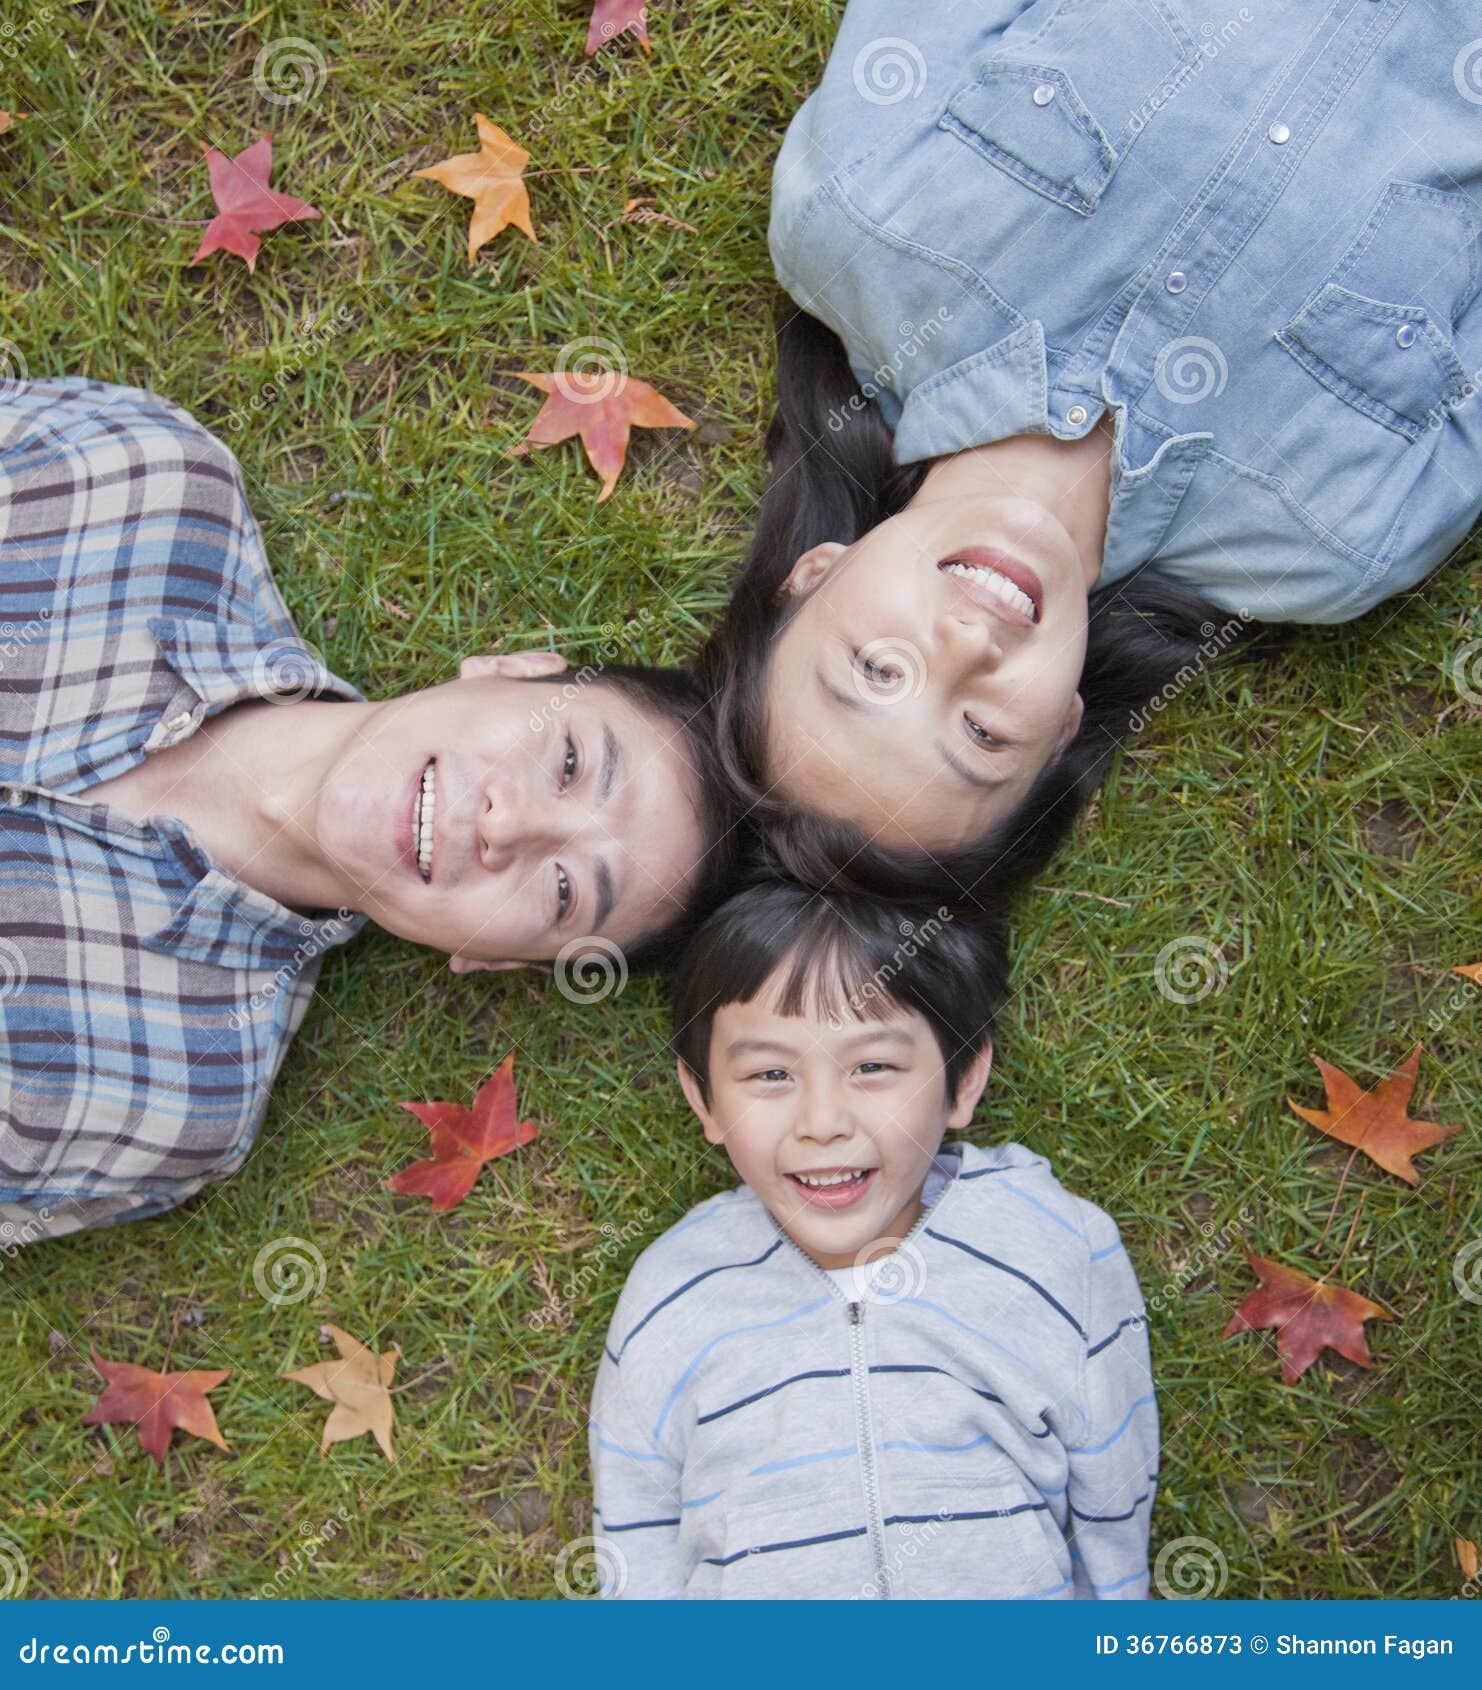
[{"x": 796, "y": 1095}]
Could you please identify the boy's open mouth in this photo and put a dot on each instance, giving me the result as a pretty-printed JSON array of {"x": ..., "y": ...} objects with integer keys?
[{"x": 832, "y": 1188}]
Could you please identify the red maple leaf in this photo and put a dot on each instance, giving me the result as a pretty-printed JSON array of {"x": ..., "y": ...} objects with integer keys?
[
  {"x": 603, "y": 407},
  {"x": 1308, "y": 1316},
  {"x": 156, "y": 1403},
  {"x": 247, "y": 207},
  {"x": 464, "y": 1139},
  {"x": 611, "y": 17}
]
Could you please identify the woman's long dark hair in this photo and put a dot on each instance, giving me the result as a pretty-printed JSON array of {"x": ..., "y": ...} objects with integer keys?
[{"x": 833, "y": 483}]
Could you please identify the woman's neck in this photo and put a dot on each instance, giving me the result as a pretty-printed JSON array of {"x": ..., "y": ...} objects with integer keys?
[{"x": 1072, "y": 478}]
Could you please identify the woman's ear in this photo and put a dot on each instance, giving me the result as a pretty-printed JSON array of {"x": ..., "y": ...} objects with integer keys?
[
  {"x": 811, "y": 568},
  {"x": 1072, "y": 724},
  {"x": 470, "y": 965},
  {"x": 690, "y": 1086},
  {"x": 970, "y": 1088},
  {"x": 516, "y": 665}
]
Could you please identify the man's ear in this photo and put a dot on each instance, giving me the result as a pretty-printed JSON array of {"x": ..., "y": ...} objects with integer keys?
[
  {"x": 515, "y": 665},
  {"x": 690, "y": 1086},
  {"x": 469, "y": 965},
  {"x": 1072, "y": 724},
  {"x": 970, "y": 1087},
  {"x": 811, "y": 568}
]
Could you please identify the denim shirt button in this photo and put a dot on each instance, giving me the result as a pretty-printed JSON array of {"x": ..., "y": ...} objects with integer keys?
[
  {"x": 1076, "y": 415},
  {"x": 1405, "y": 336},
  {"x": 1044, "y": 93},
  {"x": 1279, "y": 134},
  {"x": 1177, "y": 282}
]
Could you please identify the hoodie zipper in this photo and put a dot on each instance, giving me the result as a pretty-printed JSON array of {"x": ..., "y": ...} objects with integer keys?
[
  {"x": 860, "y": 1382},
  {"x": 865, "y": 1434}
]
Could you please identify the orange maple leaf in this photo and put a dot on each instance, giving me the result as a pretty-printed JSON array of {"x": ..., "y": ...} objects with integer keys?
[
  {"x": 611, "y": 17},
  {"x": 1375, "y": 1121},
  {"x": 491, "y": 178},
  {"x": 463, "y": 1140},
  {"x": 602, "y": 407},
  {"x": 7, "y": 118},
  {"x": 1308, "y": 1316},
  {"x": 246, "y": 206},
  {"x": 156, "y": 1403}
]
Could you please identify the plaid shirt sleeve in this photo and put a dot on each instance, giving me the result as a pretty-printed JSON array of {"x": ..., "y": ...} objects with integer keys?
[{"x": 147, "y": 999}]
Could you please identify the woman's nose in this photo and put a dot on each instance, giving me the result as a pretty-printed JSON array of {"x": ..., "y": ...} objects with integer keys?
[{"x": 972, "y": 643}]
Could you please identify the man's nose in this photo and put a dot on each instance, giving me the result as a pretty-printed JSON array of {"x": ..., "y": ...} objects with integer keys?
[{"x": 513, "y": 823}]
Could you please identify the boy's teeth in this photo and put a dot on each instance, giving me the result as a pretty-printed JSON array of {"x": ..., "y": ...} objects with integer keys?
[
  {"x": 1000, "y": 584},
  {"x": 829, "y": 1179}
]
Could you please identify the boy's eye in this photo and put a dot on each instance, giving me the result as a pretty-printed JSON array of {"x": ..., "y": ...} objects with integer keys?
[
  {"x": 770, "y": 1075},
  {"x": 569, "y": 763},
  {"x": 876, "y": 1068}
]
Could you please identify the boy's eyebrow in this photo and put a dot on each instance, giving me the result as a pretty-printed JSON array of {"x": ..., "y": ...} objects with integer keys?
[
  {"x": 877, "y": 1035},
  {"x": 753, "y": 1047}
]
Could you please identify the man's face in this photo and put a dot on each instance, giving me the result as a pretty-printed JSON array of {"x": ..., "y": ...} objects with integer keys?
[
  {"x": 800, "y": 1095},
  {"x": 559, "y": 810}
]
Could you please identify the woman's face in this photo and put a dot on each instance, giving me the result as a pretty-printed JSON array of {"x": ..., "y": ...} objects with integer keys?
[{"x": 930, "y": 670}]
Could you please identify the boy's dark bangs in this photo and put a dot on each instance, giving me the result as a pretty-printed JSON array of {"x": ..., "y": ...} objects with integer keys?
[{"x": 830, "y": 976}]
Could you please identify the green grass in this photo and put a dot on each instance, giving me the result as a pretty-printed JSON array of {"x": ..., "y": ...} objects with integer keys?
[{"x": 1318, "y": 824}]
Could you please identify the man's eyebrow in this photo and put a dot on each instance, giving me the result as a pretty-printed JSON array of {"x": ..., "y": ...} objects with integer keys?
[
  {"x": 849, "y": 702},
  {"x": 610, "y": 761},
  {"x": 604, "y": 894},
  {"x": 973, "y": 777}
]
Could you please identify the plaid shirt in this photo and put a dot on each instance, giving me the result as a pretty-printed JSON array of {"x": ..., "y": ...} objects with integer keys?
[{"x": 146, "y": 998}]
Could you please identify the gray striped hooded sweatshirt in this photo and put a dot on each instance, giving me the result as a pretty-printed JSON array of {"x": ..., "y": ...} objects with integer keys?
[{"x": 980, "y": 1424}]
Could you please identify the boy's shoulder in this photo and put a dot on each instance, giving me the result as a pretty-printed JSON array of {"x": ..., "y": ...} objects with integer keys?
[
  {"x": 730, "y": 1228},
  {"x": 1014, "y": 1191}
]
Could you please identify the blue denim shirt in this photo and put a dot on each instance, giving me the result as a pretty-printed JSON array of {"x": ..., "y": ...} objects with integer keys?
[{"x": 1252, "y": 231}]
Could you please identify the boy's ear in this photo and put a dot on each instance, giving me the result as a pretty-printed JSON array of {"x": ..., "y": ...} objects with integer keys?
[
  {"x": 519, "y": 665},
  {"x": 693, "y": 1096},
  {"x": 970, "y": 1087}
]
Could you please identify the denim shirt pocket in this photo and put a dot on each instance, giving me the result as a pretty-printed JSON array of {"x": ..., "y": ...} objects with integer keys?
[{"x": 1376, "y": 338}]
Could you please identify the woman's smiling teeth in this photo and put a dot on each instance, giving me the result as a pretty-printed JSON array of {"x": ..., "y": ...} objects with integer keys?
[
  {"x": 995, "y": 583},
  {"x": 426, "y": 810}
]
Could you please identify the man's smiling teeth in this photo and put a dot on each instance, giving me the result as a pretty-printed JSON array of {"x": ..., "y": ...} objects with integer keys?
[
  {"x": 832, "y": 1179},
  {"x": 1000, "y": 584},
  {"x": 426, "y": 808}
]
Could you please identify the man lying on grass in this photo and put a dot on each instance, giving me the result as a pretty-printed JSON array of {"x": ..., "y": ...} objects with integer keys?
[{"x": 193, "y": 809}]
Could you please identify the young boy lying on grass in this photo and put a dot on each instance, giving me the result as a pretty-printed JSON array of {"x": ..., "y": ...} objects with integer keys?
[{"x": 882, "y": 1366}]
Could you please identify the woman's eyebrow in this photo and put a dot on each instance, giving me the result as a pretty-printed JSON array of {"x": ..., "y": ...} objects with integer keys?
[{"x": 973, "y": 777}]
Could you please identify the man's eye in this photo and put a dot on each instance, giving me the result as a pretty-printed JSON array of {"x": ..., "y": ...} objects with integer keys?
[
  {"x": 569, "y": 763},
  {"x": 563, "y": 893},
  {"x": 976, "y": 731}
]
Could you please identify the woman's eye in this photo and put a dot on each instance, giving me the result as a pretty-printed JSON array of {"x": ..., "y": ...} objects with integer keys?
[
  {"x": 978, "y": 732},
  {"x": 569, "y": 763},
  {"x": 563, "y": 892},
  {"x": 873, "y": 671}
]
